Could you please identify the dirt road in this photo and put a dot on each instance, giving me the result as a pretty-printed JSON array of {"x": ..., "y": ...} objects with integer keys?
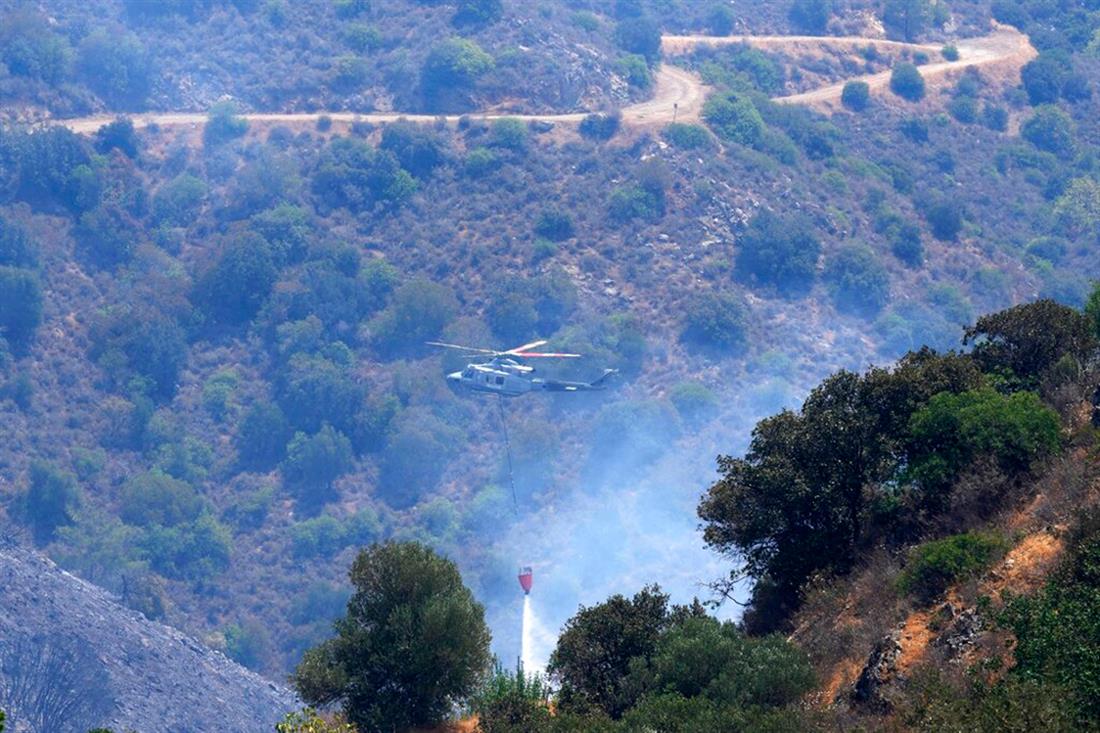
[{"x": 678, "y": 94}]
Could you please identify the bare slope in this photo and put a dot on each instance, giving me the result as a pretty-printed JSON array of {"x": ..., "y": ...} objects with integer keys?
[{"x": 72, "y": 658}]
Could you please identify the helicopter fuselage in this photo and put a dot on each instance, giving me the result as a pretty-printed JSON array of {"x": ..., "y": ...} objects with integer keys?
[{"x": 509, "y": 378}]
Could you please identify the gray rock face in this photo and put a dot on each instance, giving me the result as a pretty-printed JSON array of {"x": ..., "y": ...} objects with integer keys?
[{"x": 72, "y": 658}]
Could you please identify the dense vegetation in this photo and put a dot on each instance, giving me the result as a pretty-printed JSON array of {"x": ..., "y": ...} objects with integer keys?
[{"x": 213, "y": 381}]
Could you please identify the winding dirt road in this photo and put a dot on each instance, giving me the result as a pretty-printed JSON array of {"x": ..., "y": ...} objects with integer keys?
[{"x": 678, "y": 94}]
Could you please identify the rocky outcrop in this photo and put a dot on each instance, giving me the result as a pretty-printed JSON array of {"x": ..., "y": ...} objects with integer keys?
[
  {"x": 72, "y": 658},
  {"x": 880, "y": 671}
]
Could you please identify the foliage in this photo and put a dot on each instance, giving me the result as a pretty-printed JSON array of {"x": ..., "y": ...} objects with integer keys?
[
  {"x": 936, "y": 565},
  {"x": 1058, "y": 629},
  {"x": 20, "y": 305},
  {"x": 117, "y": 68},
  {"x": 596, "y": 646},
  {"x": 907, "y": 19},
  {"x": 418, "y": 148},
  {"x": 952, "y": 430},
  {"x": 407, "y": 598},
  {"x": 720, "y": 20},
  {"x": 856, "y": 95},
  {"x": 734, "y": 118},
  {"x": 352, "y": 174},
  {"x": 512, "y": 703},
  {"x": 262, "y": 436},
  {"x": 233, "y": 290},
  {"x": 1050, "y": 129},
  {"x": 555, "y": 225},
  {"x": 508, "y": 133},
  {"x": 177, "y": 202},
  {"x": 156, "y": 498},
  {"x": 639, "y": 35},
  {"x": 811, "y": 16},
  {"x": 453, "y": 64},
  {"x": 314, "y": 462},
  {"x": 52, "y": 500},
  {"x": 634, "y": 69},
  {"x": 308, "y": 721},
  {"x": 1027, "y": 340},
  {"x": 906, "y": 82},
  {"x": 418, "y": 312},
  {"x": 599, "y": 126},
  {"x": 715, "y": 320},
  {"x": 223, "y": 124},
  {"x": 857, "y": 281},
  {"x": 945, "y": 217},
  {"x": 17, "y": 248},
  {"x": 779, "y": 252},
  {"x": 687, "y": 136},
  {"x": 478, "y": 12}
]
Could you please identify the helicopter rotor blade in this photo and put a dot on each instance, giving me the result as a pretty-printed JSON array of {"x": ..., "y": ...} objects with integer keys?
[
  {"x": 472, "y": 349},
  {"x": 548, "y": 356},
  {"x": 518, "y": 351}
]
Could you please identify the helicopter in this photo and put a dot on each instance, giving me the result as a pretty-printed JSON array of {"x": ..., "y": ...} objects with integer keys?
[{"x": 503, "y": 373}]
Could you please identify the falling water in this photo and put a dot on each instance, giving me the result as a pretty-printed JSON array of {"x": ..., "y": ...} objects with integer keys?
[{"x": 527, "y": 634}]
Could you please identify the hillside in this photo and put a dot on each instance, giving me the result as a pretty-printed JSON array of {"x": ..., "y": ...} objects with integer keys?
[
  {"x": 215, "y": 383},
  {"x": 74, "y": 659}
]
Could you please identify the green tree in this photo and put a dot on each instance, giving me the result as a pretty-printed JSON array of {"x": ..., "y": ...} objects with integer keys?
[
  {"x": 314, "y": 462},
  {"x": 51, "y": 501},
  {"x": 934, "y": 566},
  {"x": 453, "y": 65},
  {"x": 945, "y": 218},
  {"x": 715, "y": 320},
  {"x": 223, "y": 124},
  {"x": 418, "y": 312},
  {"x": 20, "y": 306},
  {"x": 478, "y": 12},
  {"x": 720, "y": 19},
  {"x": 17, "y": 249},
  {"x": 857, "y": 281},
  {"x": 640, "y": 35},
  {"x": 419, "y": 149},
  {"x": 907, "y": 19},
  {"x": 596, "y": 646},
  {"x": 779, "y": 252},
  {"x": 412, "y": 645},
  {"x": 262, "y": 436},
  {"x": 906, "y": 82},
  {"x": 1027, "y": 340},
  {"x": 1044, "y": 76},
  {"x": 117, "y": 67},
  {"x": 734, "y": 117},
  {"x": 232, "y": 291},
  {"x": 177, "y": 202},
  {"x": 1051, "y": 130},
  {"x": 953, "y": 430},
  {"x": 856, "y": 95},
  {"x": 118, "y": 134},
  {"x": 353, "y": 174},
  {"x": 811, "y": 16},
  {"x": 155, "y": 498}
]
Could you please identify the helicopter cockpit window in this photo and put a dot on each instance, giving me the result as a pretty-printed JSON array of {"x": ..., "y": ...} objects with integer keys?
[
  {"x": 500, "y": 380},
  {"x": 467, "y": 373}
]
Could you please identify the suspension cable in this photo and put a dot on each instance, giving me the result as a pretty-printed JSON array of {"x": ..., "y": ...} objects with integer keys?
[{"x": 508, "y": 451}]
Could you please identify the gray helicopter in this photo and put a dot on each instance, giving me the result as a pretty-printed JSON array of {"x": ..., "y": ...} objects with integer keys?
[{"x": 505, "y": 375}]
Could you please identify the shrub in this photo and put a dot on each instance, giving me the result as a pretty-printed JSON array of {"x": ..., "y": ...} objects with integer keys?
[
  {"x": 20, "y": 306},
  {"x": 117, "y": 67},
  {"x": 945, "y": 217},
  {"x": 964, "y": 109},
  {"x": 478, "y": 12},
  {"x": 734, "y": 117},
  {"x": 418, "y": 148},
  {"x": 119, "y": 134},
  {"x": 481, "y": 161},
  {"x": 352, "y": 174},
  {"x": 600, "y": 126},
  {"x": 994, "y": 117},
  {"x": 177, "y": 202},
  {"x": 950, "y": 52},
  {"x": 262, "y": 436},
  {"x": 634, "y": 69},
  {"x": 223, "y": 124},
  {"x": 555, "y": 225},
  {"x": 155, "y": 498},
  {"x": 232, "y": 291},
  {"x": 639, "y": 35},
  {"x": 857, "y": 281},
  {"x": 1043, "y": 78},
  {"x": 194, "y": 551},
  {"x": 856, "y": 95},
  {"x": 810, "y": 16},
  {"x": 1050, "y": 129},
  {"x": 511, "y": 702},
  {"x": 779, "y": 252},
  {"x": 418, "y": 312},
  {"x": 686, "y": 136},
  {"x": 314, "y": 462},
  {"x": 905, "y": 243},
  {"x": 453, "y": 64},
  {"x": 907, "y": 19},
  {"x": 715, "y": 320},
  {"x": 934, "y": 566},
  {"x": 631, "y": 202},
  {"x": 906, "y": 82},
  {"x": 508, "y": 133},
  {"x": 51, "y": 501}
]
